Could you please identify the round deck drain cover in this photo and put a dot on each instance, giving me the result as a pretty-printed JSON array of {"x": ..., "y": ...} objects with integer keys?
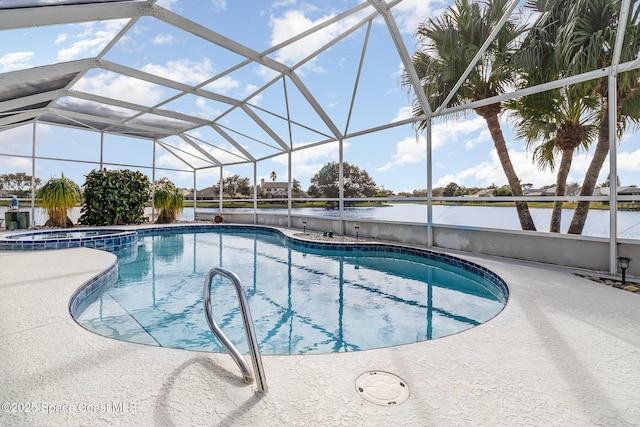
[{"x": 382, "y": 388}]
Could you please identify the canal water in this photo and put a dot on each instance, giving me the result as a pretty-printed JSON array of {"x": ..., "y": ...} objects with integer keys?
[{"x": 475, "y": 216}]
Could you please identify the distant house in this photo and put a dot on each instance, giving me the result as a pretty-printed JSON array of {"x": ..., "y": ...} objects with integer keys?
[
  {"x": 622, "y": 191},
  {"x": 485, "y": 192},
  {"x": 629, "y": 191},
  {"x": 209, "y": 193},
  {"x": 275, "y": 189},
  {"x": 488, "y": 192},
  {"x": 550, "y": 191}
]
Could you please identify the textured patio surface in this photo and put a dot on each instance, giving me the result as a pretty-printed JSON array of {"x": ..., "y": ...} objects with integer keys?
[{"x": 564, "y": 352}]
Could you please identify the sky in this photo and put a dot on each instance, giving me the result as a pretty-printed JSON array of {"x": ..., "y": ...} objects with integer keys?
[{"x": 395, "y": 158}]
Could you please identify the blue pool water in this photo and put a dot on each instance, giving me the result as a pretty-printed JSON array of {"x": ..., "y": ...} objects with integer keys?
[{"x": 304, "y": 297}]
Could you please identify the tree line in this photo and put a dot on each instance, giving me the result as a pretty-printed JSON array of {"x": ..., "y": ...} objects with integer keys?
[
  {"x": 567, "y": 38},
  {"x": 325, "y": 183}
]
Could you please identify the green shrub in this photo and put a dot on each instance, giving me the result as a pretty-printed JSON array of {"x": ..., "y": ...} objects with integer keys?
[
  {"x": 114, "y": 197},
  {"x": 168, "y": 199},
  {"x": 57, "y": 196}
]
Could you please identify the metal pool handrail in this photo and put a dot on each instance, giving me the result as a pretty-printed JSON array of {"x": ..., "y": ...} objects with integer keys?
[{"x": 258, "y": 370}]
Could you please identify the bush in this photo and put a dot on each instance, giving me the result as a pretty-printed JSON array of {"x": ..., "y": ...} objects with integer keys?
[
  {"x": 168, "y": 199},
  {"x": 57, "y": 196},
  {"x": 114, "y": 197}
]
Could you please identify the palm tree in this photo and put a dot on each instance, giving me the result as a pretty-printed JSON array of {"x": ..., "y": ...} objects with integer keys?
[
  {"x": 560, "y": 120},
  {"x": 273, "y": 176},
  {"x": 449, "y": 43},
  {"x": 561, "y": 123},
  {"x": 588, "y": 42},
  {"x": 295, "y": 186},
  {"x": 57, "y": 196}
]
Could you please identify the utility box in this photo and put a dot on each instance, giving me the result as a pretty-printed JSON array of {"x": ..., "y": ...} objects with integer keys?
[{"x": 16, "y": 219}]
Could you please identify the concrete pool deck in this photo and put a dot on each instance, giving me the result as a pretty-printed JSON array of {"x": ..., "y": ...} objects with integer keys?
[{"x": 565, "y": 351}]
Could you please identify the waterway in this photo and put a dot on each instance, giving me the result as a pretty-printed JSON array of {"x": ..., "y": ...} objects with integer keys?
[{"x": 475, "y": 216}]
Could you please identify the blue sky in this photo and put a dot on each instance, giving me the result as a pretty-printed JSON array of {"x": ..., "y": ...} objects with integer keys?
[{"x": 462, "y": 148}]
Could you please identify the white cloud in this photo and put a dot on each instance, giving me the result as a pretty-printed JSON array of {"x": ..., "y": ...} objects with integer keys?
[
  {"x": 219, "y": 5},
  {"x": 120, "y": 87},
  {"x": 410, "y": 13},
  {"x": 470, "y": 133},
  {"x": 409, "y": 150},
  {"x": 223, "y": 85},
  {"x": 283, "y": 3},
  {"x": 629, "y": 162},
  {"x": 413, "y": 149},
  {"x": 294, "y": 22},
  {"x": 205, "y": 111},
  {"x": 16, "y": 61},
  {"x": 403, "y": 114},
  {"x": 447, "y": 132},
  {"x": 92, "y": 39},
  {"x": 161, "y": 39},
  {"x": 167, "y": 4},
  {"x": 483, "y": 136},
  {"x": 194, "y": 72},
  {"x": 18, "y": 141},
  {"x": 490, "y": 172},
  {"x": 170, "y": 161},
  {"x": 18, "y": 164},
  {"x": 183, "y": 70},
  {"x": 444, "y": 180},
  {"x": 481, "y": 175},
  {"x": 12, "y": 141},
  {"x": 307, "y": 162},
  {"x": 251, "y": 88},
  {"x": 61, "y": 38}
]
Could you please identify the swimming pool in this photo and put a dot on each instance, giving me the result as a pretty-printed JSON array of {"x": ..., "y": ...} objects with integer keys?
[{"x": 305, "y": 297}]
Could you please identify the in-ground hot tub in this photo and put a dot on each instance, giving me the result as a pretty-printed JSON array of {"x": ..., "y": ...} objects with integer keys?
[{"x": 109, "y": 239}]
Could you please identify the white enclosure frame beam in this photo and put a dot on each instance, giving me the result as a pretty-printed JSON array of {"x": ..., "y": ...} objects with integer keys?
[
  {"x": 11, "y": 19},
  {"x": 383, "y": 9}
]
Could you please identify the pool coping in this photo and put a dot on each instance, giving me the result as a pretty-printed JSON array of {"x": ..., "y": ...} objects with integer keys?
[{"x": 563, "y": 352}]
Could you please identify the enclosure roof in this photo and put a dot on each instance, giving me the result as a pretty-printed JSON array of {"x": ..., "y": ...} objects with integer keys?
[
  {"x": 229, "y": 94},
  {"x": 278, "y": 110}
]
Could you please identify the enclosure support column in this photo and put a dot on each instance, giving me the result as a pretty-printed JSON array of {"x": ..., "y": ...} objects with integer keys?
[
  {"x": 612, "y": 97},
  {"x": 429, "y": 185},
  {"x": 286, "y": 100},
  {"x": 613, "y": 176},
  {"x": 255, "y": 192},
  {"x": 289, "y": 204},
  {"x": 33, "y": 176},
  {"x": 341, "y": 184},
  {"x": 220, "y": 191},
  {"x": 153, "y": 182},
  {"x": 101, "y": 150},
  {"x": 195, "y": 216}
]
